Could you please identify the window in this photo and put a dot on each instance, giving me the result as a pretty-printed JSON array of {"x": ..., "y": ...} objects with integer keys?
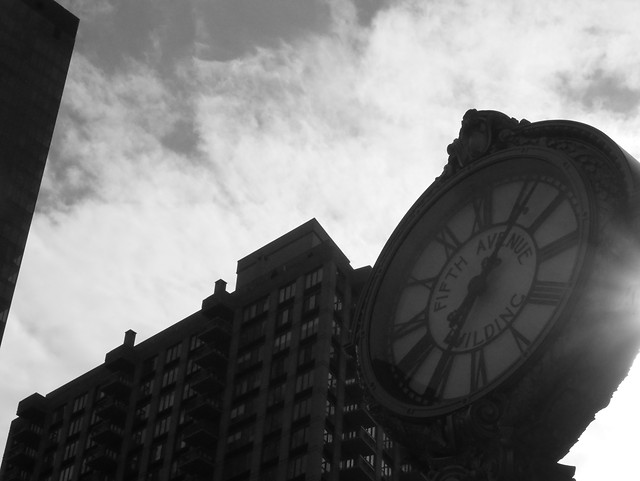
[
  {"x": 169, "y": 377},
  {"x": 284, "y": 317},
  {"x": 313, "y": 278},
  {"x": 306, "y": 354},
  {"x": 237, "y": 411},
  {"x": 304, "y": 381},
  {"x": 249, "y": 358},
  {"x": 156, "y": 452},
  {"x": 311, "y": 302},
  {"x": 287, "y": 292},
  {"x": 173, "y": 353},
  {"x": 332, "y": 382},
  {"x": 138, "y": 435},
  {"x": 162, "y": 426},
  {"x": 67, "y": 473},
  {"x": 142, "y": 412},
  {"x": 70, "y": 449},
  {"x": 282, "y": 342},
  {"x": 385, "y": 469},
  {"x": 270, "y": 449},
  {"x": 301, "y": 408},
  {"x": 166, "y": 401},
  {"x": 275, "y": 394},
  {"x": 241, "y": 436},
  {"x": 330, "y": 409},
  {"x": 273, "y": 421},
  {"x": 150, "y": 364},
  {"x": 309, "y": 328},
  {"x": 297, "y": 466},
  {"x": 146, "y": 388},
  {"x": 337, "y": 302},
  {"x": 188, "y": 392},
  {"x": 326, "y": 465},
  {"x": 75, "y": 426},
  {"x": 255, "y": 309},
  {"x": 336, "y": 328},
  {"x": 327, "y": 436},
  {"x": 246, "y": 383},
  {"x": 80, "y": 402},
  {"x": 251, "y": 333},
  {"x": 387, "y": 443},
  {"x": 192, "y": 367},
  {"x": 278, "y": 367},
  {"x": 195, "y": 342},
  {"x": 299, "y": 437}
]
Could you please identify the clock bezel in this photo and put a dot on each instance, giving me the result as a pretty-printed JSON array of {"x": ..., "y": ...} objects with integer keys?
[{"x": 428, "y": 200}]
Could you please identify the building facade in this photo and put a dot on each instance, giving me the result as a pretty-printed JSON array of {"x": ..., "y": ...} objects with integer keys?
[
  {"x": 36, "y": 41},
  {"x": 257, "y": 385}
]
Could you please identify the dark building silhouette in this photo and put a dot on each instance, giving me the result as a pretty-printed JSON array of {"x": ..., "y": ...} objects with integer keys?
[
  {"x": 256, "y": 385},
  {"x": 36, "y": 41}
]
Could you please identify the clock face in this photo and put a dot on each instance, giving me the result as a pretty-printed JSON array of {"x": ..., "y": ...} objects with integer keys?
[{"x": 473, "y": 282}]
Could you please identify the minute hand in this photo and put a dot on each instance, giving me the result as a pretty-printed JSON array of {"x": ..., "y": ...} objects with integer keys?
[{"x": 518, "y": 208}]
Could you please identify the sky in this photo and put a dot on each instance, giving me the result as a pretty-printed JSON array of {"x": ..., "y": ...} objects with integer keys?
[{"x": 192, "y": 133}]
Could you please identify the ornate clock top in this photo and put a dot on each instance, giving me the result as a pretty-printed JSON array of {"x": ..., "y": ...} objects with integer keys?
[{"x": 481, "y": 132}]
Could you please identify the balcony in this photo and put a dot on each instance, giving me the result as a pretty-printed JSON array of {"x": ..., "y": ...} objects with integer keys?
[
  {"x": 103, "y": 458},
  {"x": 22, "y": 455},
  {"x": 358, "y": 442},
  {"x": 357, "y": 469},
  {"x": 219, "y": 329},
  {"x": 201, "y": 434},
  {"x": 212, "y": 358},
  {"x": 355, "y": 415},
  {"x": 118, "y": 386},
  {"x": 207, "y": 382},
  {"x": 33, "y": 408},
  {"x": 197, "y": 461},
  {"x": 112, "y": 409},
  {"x": 203, "y": 408},
  {"x": 27, "y": 432},
  {"x": 122, "y": 358},
  {"x": 108, "y": 434}
]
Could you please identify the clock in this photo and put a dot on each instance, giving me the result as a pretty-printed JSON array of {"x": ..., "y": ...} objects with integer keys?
[
  {"x": 500, "y": 315},
  {"x": 476, "y": 278}
]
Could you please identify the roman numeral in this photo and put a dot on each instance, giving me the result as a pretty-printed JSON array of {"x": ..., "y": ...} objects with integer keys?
[
  {"x": 553, "y": 205},
  {"x": 483, "y": 211},
  {"x": 410, "y": 363},
  {"x": 548, "y": 293},
  {"x": 413, "y": 324},
  {"x": 558, "y": 246},
  {"x": 448, "y": 239},
  {"x": 438, "y": 380},
  {"x": 479, "y": 376},
  {"x": 522, "y": 341}
]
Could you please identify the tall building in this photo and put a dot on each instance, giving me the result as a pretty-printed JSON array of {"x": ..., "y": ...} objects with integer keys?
[
  {"x": 36, "y": 41},
  {"x": 256, "y": 385}
]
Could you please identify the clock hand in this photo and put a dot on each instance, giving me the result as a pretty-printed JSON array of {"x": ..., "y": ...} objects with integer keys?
[{"x": 518, "y": 208}]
